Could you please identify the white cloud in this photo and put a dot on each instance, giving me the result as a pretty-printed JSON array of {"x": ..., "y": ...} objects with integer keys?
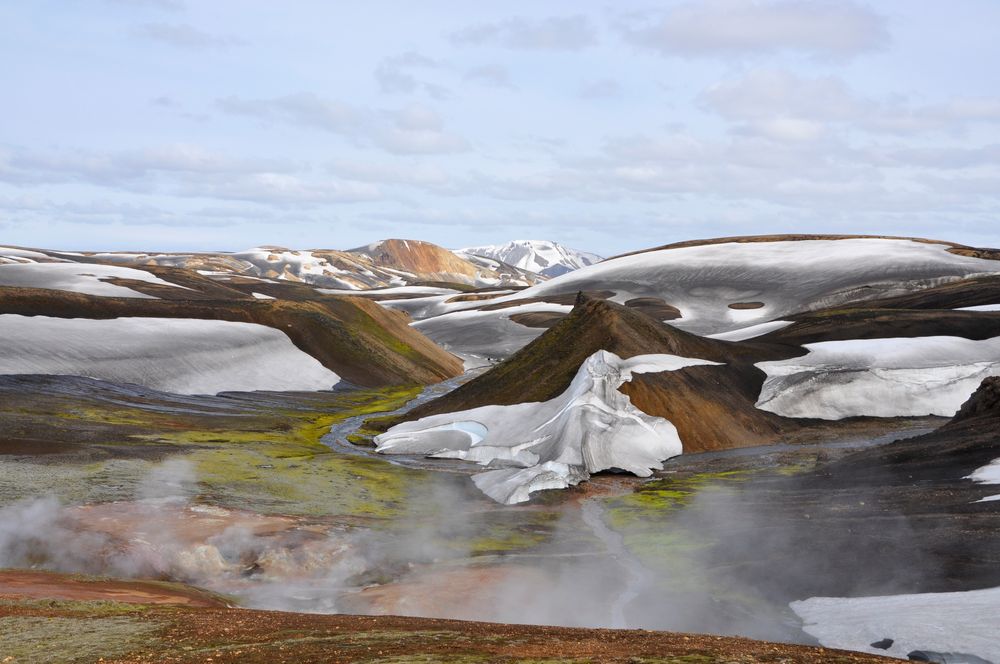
[
  {"x": 601, "y": 88},
  {"x": 733, "y": 27},
  {"x": 774, "y": 102},
  {"x": 415, "y": 129},
  {"x": 182, "y": 35},
  {"x": 556, "y": 33},
  {"x": 397, "y": 75},
  {"x": 185, "y": 171},
  {"x": 301, "y": 108},
  {"x": 495, "y": 76}
]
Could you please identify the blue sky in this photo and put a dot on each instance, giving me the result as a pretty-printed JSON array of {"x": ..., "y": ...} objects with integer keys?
[{"x": 174, "y": 124}]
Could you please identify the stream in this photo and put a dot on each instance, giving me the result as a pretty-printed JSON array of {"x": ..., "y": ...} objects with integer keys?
[
  {"x": 336, "y": 438},
  {"x": 635, "y": 573}
]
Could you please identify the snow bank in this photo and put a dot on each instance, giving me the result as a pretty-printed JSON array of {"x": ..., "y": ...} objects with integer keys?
[
  {"x": 552, "y": 444},
  {"x": 989, "y": 474},
  {"x": 879, "y": 377},
  {"x": 186, "y": 356},
  {"x": 18, "y": 255},
  {"x": 981, "y": 307},
  {"x": 486, "y": 334},
  {"x": 959, "y": 622},
  {"x": 78, "y": 278}
]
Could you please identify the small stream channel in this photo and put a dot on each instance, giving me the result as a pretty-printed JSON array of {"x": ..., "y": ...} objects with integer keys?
[{"x": 337, "y": 438}]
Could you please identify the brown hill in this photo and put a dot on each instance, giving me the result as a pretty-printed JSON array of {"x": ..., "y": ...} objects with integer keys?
[
  {"x": 361, "y": 341},
  {"x": 417, "y": 256},
  {"x": 711, "y": 406}
]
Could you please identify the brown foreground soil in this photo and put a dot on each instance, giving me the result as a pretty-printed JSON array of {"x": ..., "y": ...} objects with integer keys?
[{"x": 148, "y": 622}]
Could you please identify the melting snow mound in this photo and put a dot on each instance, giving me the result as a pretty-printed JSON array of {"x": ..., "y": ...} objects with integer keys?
[
  {"x": 180, "y": 355},
  {"x": 961, "y": 623},
  {"x": 895, "y": 377},
  {"x": 552, "y": 444}
]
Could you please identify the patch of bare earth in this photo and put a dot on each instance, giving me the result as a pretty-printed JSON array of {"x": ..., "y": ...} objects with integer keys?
[{"x": 194, "y": 630}]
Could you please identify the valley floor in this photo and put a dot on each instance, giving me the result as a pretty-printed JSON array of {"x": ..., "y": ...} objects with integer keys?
[{"x": 242, "y": 496}]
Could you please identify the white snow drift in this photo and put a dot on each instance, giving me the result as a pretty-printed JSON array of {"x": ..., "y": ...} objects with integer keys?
[
  {"x": 186, "y": 356},
  {"x": 879, "y": 377},
  {"x": 78, "y": 278},
  {"x": 960, "y": 622},
  {"x": 552, "y": 444}
]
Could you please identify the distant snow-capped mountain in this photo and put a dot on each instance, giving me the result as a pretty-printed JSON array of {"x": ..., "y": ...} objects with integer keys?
[{"x": 542, "y": 256}]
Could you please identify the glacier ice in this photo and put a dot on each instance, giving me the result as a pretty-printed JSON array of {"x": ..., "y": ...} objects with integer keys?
[
  {"x": 894, "y": 377},
  {"x": 528, "y": 447}
]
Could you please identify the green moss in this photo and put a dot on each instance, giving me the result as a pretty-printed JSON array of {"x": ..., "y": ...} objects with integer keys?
[
  {"x": 262, "y": 453},
  {"x": 65, "y": 639},
  {"x": 504, "y": 535},
  {"x": 646, "y": 521},
  {"x": 655, "y": 500},
  {"x": 95, "y": 608},
  {"x": 288, "y": 480}
]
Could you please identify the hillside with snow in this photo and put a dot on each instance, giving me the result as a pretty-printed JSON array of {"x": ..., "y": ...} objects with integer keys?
[{"x": 544, "y": 257}]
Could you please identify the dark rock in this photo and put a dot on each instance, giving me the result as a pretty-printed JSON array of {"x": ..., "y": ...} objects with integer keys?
[
  {"x": 984, "y": 402},
  {"x": 945, "y": 657},
  {"x": 884, "y": 644}
]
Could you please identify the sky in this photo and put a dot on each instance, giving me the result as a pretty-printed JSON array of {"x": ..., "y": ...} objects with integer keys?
[{"x": 606, "y": 126}]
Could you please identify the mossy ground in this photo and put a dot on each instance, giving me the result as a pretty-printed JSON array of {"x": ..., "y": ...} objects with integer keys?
[
  {"x": 260, "y": 453},
  {"x": 672, "y": 548},
  {"x": 263, "y": 455},
  {"x": 73, "y": 639}
]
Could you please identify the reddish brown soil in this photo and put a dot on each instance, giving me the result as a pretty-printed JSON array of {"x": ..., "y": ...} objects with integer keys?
[
  {"x": 193, "y": 628},
  {"x": 31, "y": 584}
]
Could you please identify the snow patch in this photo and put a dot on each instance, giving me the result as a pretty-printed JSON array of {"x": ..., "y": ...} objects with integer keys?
[
  {"x": 959, "y": 622},
  {"x": 752, "y": 332},
  {"x": 78, "y": 278},
  {"x": 181, "y": 355},
  {"x": 988, "y": 474},
  {"x": 981, "y": 307},
  {"x": 893, "y": 377},
  {"x": 553, "y": 444}
]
